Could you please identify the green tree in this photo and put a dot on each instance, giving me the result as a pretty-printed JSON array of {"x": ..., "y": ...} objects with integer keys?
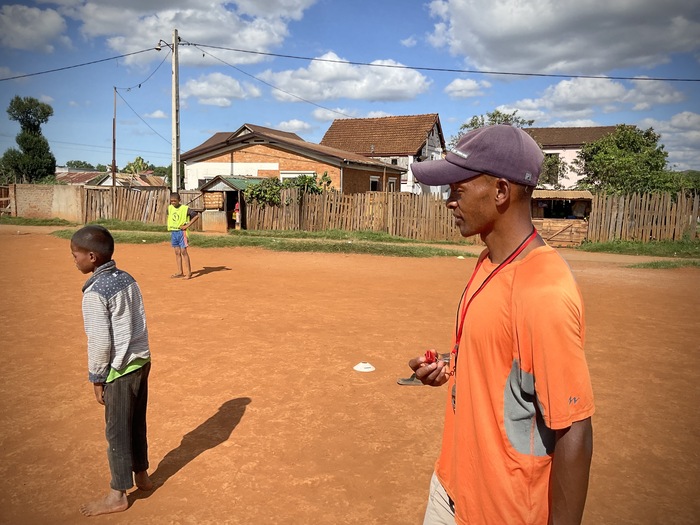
[
  {"x": 34, "y": 160},
  {"x": 30, "y": 112},
  {"x": 138, "y": 165},
  {"x": 553, "y": 170},
  {"x": 80, "y": 165},
  {"x": 269, "y": 191},
  {"x": 103, "y": 168},
  {"x": 490, "y": 119},
  {"x": 630, "y": 160}
]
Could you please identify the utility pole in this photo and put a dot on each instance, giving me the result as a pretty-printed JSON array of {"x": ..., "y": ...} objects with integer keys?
[
  {"x": 176, "y": 115},
  {"x": 114, "y": 154}
]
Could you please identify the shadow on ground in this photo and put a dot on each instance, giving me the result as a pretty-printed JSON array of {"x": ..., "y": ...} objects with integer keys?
[{"x": 211, "y": 433}]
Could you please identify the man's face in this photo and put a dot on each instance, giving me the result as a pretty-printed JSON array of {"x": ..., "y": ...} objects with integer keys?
[
  {"x": 174, "y": 201},
  {"x": 84, "y": 260},
  {"x": 472, "y": 203}
]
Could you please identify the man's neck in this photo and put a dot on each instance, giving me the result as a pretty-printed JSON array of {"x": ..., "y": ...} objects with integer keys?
[{"x": 504, "y": 240}]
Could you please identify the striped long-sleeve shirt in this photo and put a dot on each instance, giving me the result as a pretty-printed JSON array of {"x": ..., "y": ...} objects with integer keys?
[{"x": 115, "y": 321}]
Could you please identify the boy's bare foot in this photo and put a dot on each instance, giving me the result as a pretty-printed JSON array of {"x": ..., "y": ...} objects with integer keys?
[
  {"x": 176, "y": 276},
  {"x": 115, "y": 501},
  {"x": 143, "y": 482},
  {"x": 188, "y": 276}
]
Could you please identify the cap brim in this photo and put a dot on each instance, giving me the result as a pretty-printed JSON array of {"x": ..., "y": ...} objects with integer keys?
[{"x": 440, "y": 172}]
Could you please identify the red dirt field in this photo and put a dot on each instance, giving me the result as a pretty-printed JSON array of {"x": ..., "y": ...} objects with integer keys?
[{"x": 256, "y": 415}]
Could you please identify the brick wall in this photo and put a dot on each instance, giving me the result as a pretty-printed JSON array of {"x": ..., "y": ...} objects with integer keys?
[{"x": 33, "y": 201}]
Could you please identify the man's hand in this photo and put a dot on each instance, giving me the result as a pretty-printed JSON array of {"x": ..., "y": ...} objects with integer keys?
[
  {"x": 433, "y": 374},
  {"x": 99, "y": 392}
]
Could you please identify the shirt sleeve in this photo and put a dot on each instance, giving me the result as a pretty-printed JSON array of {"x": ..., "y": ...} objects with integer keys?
[
  {"x": 551, "y": 343},
  {"x": 96, "y": 317},
  {"x": 192, "y": 213}
]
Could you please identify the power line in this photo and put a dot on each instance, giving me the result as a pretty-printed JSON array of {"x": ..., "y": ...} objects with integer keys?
[
  {"x": 75, "y": 66},
  {"x": 445, "y": 70},
  {"x": 268, "y": 84},
  {"x": 149, "y": 76},
  {"x": 139, "y": 116}
]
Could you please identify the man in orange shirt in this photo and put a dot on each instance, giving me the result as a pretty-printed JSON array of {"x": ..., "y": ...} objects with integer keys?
[{"x": 517, "y": 441}]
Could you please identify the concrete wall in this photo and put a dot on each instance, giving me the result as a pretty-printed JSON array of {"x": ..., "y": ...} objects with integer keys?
[
  {"x": 214, "y": 221},
  {"x": 39, "y": 201}
]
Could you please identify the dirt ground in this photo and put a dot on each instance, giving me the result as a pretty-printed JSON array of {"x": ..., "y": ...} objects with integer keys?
[{"x": 256, "y": 415}]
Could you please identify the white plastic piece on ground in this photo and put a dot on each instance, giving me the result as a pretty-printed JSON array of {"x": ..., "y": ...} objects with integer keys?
[
  {"x": 460, "y": 257},
  {"x": 363, "y": 366}
]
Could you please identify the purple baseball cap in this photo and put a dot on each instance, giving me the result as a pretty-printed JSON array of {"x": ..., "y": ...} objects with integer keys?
[{"x": 501, "y": 151}]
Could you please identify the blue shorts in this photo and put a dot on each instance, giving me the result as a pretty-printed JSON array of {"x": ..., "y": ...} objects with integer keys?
[{"x": 178, "y": 239}]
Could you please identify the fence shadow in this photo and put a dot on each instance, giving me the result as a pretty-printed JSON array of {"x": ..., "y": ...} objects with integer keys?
[
  {"x": 209, "y": 269},
  {"x": 209, "y": 434}
]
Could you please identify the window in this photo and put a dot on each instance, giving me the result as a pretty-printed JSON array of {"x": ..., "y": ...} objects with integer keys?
[
  {"x": 394, "y": 162},
  {"x": 374, "y": 183},
  {"x": 284, "y": 175},
  {"x": 392, "y": 184}
]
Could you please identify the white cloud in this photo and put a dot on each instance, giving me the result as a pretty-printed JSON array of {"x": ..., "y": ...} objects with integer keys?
[
  {"x": 466, "y": 88},
  {"x": 217, "y": 89},
  {"x": 73, "y": 104},
  {"x": 647, "y": 93},
  {"x": 680, "y": 136},
  {"x": 328, "y": 115},
  {"x": 333, "y": 80},
  {"x": 293, "y": 126},
  {"x": 580, "y": 99},
  {"x": 46, "y": 99},
  {"x": 569, "y": 36},
  {"x": 31, "y": 29},
  {"x": 409, "y": 42},
  {"x": 157, "y": 114}
]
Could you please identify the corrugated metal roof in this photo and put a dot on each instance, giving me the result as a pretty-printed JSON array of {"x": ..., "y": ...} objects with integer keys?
[
  {"x": 220, "y": 183},
  {"x": 562, "y": 194}
]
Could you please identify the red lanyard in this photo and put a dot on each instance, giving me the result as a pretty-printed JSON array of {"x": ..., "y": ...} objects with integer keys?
[{"x": 507, "y": 261}]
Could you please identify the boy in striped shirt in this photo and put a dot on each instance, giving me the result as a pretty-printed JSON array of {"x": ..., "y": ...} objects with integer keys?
[{"x": 119, "y": 362}]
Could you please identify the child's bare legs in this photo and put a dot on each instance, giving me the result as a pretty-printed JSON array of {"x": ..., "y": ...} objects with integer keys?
[
  {"x": 142, "y": 480},
  {"x": 178, "y": 261},
  {"x": 114, "y": 501},
  {"x": 185, "y": 261}
]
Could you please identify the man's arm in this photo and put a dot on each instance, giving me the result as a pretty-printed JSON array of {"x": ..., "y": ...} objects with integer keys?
[
  {"x": 570, "y": 468},
  {"x": 193, "y": 218}
]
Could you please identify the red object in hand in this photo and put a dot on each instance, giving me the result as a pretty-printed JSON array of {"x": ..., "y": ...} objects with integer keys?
[{"x": 430, "y": 356}]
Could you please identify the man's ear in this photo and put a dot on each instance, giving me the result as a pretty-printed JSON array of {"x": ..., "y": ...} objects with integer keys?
[
  {"x": 503, "y": 191},
  {"x": 93, "y": 256}
]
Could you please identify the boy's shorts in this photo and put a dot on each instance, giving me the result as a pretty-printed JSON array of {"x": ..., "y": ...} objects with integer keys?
[{"x": 178, "y": 239}]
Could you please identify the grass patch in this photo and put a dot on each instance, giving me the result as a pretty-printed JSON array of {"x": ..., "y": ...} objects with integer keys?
[
  {"x": 681, "y": 249},
  {"x": 22, "y": 221},
  {"x": 113, "y": 224},
  {"x": 284, "y": 245},
  {"x": 665, "y": 265}
]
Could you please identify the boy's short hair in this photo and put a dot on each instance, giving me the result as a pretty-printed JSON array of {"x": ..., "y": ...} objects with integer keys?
[
  {"x": 94, "y": 238},
  {"x": 175, "y": 195}
]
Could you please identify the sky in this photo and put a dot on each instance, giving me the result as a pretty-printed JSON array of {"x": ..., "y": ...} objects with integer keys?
[{"x": 296, "y": 65}]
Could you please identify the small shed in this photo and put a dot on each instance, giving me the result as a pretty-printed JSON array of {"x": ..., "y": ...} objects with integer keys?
[
  {"x": 561, "y": 216},
  {"x": 220, "y": 196}
]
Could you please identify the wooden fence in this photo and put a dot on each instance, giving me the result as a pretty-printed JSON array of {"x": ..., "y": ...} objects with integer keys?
[
  {"x": 425, "y": 217},
  {"x": 127, "y": 204},
  {"x": 419, "y": 217},
  {"x": 5, "y": 205},
  {"x": 643, "y": 217}
]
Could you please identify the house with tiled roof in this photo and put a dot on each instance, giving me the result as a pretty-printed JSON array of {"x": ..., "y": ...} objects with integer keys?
[
  {"x": 257, "y": 151},
  {"x": 398, "y": 141},
  {"x": 566, "y": 143}
]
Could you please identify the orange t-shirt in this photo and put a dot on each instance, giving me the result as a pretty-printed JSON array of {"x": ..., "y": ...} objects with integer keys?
[{"x": 521, "y": 374}]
